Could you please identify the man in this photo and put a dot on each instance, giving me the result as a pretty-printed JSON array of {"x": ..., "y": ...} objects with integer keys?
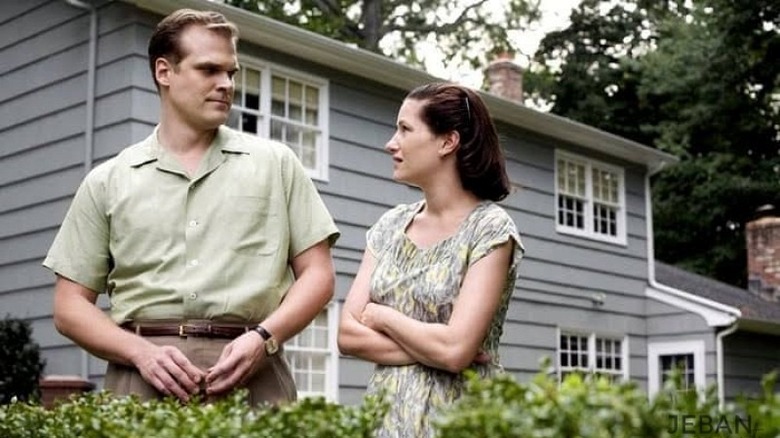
[{"x": 213, "y": 245}]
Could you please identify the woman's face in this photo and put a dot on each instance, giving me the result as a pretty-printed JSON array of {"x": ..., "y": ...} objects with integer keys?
[{"x": 414, "y": 146}]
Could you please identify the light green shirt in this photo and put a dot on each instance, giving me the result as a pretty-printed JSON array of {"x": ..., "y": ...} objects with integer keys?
[{"x": 214, "y": 246}]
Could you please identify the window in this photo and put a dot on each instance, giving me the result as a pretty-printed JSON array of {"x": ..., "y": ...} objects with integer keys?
[
  {"x": 288, "y": 107},
  {"x": 663, "y": 357},
  {"x": 312, "y": 357},
  {"x": 681, "y": 362},
  {"x": 590, "y": 198},
  {"x": 590, "y": 353}
]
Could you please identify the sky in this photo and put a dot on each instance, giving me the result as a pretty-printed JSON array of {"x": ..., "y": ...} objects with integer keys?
[{"x": 555, "y": 15}]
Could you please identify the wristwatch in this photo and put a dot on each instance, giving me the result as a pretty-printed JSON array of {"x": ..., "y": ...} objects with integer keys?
[{"x": 269, "y": 342}]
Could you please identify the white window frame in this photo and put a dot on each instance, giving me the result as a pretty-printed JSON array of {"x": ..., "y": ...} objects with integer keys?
[
  {"x": 591, "y": 353},
  {"x": 657, "y": 349},
  {"x": 588, "y": 230},
  {"x": 267, "y": 71},
  {"x": 331, "y": 361}
]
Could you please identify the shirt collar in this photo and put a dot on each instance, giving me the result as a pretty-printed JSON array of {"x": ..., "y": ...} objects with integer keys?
[{"x": 150, "y": 149}]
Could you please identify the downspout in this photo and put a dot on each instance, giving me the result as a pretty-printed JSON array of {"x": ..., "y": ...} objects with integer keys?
[
  {"x": 732, "y": 326},
  {"x": 89, "y": 128},
  {"x": 720, "y": 357},
  {"x": 734, "y": 314}
]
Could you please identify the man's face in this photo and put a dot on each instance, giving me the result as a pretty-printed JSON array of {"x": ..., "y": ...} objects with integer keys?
[{"x": 198, "y": 91}]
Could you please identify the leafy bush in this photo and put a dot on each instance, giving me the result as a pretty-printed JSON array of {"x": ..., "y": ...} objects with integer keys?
[
  {"x": 580, "y": 407},
  {"x": 100, "y": 415},
  {"x": 20, "y": 361},
  {"x": 594, "y": 407}
]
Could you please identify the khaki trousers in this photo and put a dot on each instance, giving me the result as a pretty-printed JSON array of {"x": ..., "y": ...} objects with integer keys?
[{"x": 273, "y": 383}]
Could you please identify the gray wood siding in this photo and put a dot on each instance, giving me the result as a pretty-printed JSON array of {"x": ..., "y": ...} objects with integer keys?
[
  {"x": 43, "y": 151},
  {"x": 747, "y": 358}
]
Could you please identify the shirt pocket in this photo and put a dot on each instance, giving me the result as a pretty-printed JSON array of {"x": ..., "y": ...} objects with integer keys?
[{"x": 252, "y": 226}]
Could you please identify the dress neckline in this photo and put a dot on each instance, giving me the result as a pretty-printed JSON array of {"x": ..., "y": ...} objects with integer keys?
[{"x": 439, "y": 242}]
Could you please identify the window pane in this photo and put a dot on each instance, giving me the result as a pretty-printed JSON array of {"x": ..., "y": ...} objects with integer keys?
[
  {"x": 604, "y": 220},
  {"x": 279, "y": 91},
  {"x": 605, "y": 184},
  {"x": 571, "y": 178},
  {"x": 252, "y": 81},
  {"x": 295, "y": 101},
  {"x": 311, "y": 117},
  {"x": 312, "y": 98},
  {"x": 249, "y": 123},
  {"x": 277, "y": 130},
  {"x": 570, "y": 212},
  {"x": 317, "y": 383},
  {"x": 682, "y": 362},
  {"x": 309, "y": 355}
]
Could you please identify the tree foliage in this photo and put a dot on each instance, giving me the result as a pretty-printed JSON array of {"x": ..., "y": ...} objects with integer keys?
[
  {"x": 465, "y": 32},
  {"x": 697, "y": 79}
]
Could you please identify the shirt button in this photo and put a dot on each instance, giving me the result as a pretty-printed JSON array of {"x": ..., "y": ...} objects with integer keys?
[
  {"x": 193, "y": 296},
  {"x": 193, "y": 223},
  {"x": 194, "y": 262}
]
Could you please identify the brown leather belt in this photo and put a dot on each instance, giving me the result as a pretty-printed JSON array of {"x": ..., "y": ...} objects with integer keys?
[{"x": 188, "y": 329}]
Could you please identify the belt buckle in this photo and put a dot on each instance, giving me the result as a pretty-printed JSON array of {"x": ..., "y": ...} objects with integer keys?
[{"x": 181, "y": 331}]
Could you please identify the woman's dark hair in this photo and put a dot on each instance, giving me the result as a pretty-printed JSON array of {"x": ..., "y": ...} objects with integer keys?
[
  {"x": 165, "y": 41},
  {"x": 451, "y": 107}
]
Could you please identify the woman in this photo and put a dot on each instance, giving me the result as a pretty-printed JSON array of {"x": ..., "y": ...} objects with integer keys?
[{"x": 431, "y": 294}]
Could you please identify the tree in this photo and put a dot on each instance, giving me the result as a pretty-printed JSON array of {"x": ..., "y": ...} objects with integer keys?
[
  {"x": 465, "y": 32},
  {"x": 698, "y": 79}
]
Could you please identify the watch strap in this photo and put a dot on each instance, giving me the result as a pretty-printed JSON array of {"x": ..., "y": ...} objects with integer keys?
[{"x": 265, "y": 334}]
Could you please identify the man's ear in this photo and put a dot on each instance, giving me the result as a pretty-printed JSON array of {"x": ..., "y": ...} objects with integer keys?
[
  {"x": 162, "y": 71},
  {"x": 450, "y": 144}
]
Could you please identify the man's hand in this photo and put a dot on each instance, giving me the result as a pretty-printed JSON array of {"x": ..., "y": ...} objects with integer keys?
[
  {"x": 170, "y": 372},
  {"x": 239, "y": 361}
]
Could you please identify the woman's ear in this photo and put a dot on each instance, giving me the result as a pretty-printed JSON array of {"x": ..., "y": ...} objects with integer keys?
[{"x": 450, "y": 143}]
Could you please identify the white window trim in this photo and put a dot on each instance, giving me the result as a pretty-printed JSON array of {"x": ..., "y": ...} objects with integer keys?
[
  {"x": 657, "y": 349},
  {"x": 588, "y": 232},
  {"x": 269, "y": 68},
  {"x": 624, "y": 350},
  {"x": 332, "y": 359},
  {"x": 332, "y": 374}
]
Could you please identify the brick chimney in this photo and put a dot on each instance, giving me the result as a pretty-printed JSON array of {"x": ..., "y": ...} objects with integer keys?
[
  {"x": 505, "y": 78},
  {"x": 763, "y": 254}
]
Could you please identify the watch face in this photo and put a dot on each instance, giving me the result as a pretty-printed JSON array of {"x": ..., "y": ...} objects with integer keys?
[{"x": 271, "y": 346}]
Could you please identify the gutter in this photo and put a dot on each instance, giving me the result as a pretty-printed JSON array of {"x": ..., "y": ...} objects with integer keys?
[
  {"x": 715, "y": 313},
  {"x": 315, "y": 48},
  {"x": 89, "y": 128},
  {"x": 720, "y": 358}
]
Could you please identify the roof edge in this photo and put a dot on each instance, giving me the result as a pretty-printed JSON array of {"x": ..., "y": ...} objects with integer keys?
[
  {"x": 308, "y": 45},
  {"x": 760, "y": 326},
  {"x": 713, "y": 312}
]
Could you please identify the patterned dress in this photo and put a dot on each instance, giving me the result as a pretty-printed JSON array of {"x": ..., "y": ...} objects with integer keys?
[{"x": 423, "y": 283}]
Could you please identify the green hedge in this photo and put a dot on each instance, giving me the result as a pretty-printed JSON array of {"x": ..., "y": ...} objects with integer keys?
[
  {"x": 588, "y": 407},
  {"x": 98, "y": 415},
  {"x": 593, "y": 407}
]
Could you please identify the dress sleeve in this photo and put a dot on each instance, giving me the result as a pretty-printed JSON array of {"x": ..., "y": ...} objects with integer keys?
[
  {"x": 379, "y": 235},
  {"x": 492, "y": 230}
]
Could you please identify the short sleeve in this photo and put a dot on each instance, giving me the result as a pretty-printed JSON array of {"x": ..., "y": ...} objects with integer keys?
[
  {"x": 493, "y": 229},
  {"x": 310, "y": 221},
  {"x": 80, "y": 251}
]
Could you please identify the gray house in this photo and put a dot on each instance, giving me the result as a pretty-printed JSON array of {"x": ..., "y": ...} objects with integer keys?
[{"x": 75, "y": 89}]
